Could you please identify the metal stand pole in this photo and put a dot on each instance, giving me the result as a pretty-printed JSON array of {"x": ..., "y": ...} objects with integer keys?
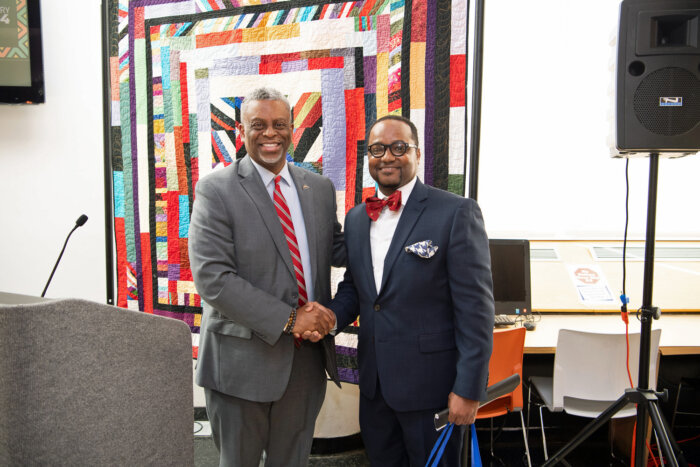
[
  {"x": 647, "y": 310},
  {"x": 645, "y": 398}
]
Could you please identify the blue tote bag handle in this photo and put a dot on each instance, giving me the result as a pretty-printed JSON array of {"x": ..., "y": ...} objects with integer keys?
[
  {"x": 439, "y": 447},
  {"x": 476, "y": 456}
]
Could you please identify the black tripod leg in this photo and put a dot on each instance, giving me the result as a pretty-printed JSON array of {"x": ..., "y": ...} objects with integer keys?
[
  {"x": 588, "y": 430},
  {"x": 668, "y": 444}
]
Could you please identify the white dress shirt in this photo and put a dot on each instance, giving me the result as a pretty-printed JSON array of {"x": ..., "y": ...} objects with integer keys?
[
  {"x": 381, "y": 231},
  {"x": 289, "y": 191}
]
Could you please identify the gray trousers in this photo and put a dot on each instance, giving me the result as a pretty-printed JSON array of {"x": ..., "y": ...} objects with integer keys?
[{"x": 284, "y": 429}]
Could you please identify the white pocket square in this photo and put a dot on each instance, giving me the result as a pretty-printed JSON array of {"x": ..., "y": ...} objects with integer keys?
[{"x": 424, "y": 249}]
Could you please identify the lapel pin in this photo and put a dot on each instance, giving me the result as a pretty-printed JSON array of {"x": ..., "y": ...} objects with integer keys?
[{"x": 305, "y": 187}]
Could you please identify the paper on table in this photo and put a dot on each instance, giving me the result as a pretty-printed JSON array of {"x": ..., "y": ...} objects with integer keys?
[{"x": 590, "y": 283}]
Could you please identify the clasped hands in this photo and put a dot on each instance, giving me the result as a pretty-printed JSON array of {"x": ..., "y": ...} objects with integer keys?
[{"x": 313, "y": 322}]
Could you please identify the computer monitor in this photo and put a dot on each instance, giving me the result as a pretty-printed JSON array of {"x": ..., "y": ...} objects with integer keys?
[{"x": 510, "y": 269}]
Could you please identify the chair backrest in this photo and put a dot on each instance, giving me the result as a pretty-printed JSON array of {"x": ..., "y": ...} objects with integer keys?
[
  {"x": 82, "y": 383},
  {"x": 592, "y": 366},
  {"x": 507, "y": 359}
]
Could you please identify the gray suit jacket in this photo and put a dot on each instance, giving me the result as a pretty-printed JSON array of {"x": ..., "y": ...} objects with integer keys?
[{"x": 243, "y": 271}]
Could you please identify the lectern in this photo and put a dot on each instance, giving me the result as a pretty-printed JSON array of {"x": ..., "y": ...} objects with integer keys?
[{"x": 82, "y": 383}]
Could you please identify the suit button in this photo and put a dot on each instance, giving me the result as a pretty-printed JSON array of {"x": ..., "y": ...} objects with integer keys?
[{"x": 377, "y": 307}]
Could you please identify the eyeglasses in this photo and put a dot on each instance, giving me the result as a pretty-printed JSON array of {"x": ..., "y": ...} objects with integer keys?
[{"x": 397, "y": 148}]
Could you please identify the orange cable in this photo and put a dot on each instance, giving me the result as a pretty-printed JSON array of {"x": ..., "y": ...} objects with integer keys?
[
  {"x": 688, "y": 439},
  {"x": 654, "y": 446},
  {"x": 653, "y": 457},
  {"x": 627, "y": 338}
]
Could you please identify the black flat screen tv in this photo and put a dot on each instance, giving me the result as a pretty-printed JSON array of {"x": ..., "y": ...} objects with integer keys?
[
  {"x": 510, "y": 270},
  {"x": 21, "y": 64}
]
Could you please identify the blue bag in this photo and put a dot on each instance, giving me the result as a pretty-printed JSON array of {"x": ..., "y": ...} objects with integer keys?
[{"x": 439, "y": 447}]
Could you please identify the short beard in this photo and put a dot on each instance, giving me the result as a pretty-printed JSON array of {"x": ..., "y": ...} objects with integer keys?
[{"x": 390, "y": 188}]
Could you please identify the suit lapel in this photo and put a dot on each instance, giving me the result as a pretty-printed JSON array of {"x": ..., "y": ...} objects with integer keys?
[
  {"x": 411, "y": 212},
  {"x": 306, "y": 199},
  {"x": 253, "y": 185}
]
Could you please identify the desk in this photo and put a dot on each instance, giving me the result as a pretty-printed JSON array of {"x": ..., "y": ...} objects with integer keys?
[
  {"x": 677, "y": 266},
  {"x": 680, "y": 333}
]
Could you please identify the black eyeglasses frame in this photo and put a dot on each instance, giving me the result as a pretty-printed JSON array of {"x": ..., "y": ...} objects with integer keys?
[{"x": 389, "y": 146}]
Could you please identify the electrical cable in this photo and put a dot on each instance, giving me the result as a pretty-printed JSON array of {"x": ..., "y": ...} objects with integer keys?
[
  {"x": 655, "y": 446},
  {"x": 623, "y": 297},
  {"x": 623, "y": 308},
  {"x": 692, "y": 438},
  {"x": 532, "y": 316}
]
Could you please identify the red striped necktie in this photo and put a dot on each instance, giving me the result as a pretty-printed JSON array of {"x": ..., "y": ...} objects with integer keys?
[{"x": 288, "y": 229}]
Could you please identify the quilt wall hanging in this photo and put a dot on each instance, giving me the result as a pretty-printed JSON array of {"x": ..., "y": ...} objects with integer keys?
[{"x": 178, "y": 72}]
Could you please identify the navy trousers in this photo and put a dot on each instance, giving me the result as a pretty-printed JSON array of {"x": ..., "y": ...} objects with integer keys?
[{"x": 403, "y": 439}]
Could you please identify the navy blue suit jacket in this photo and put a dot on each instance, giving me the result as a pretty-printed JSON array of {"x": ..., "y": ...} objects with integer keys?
[{"x": 429, "y": 329}]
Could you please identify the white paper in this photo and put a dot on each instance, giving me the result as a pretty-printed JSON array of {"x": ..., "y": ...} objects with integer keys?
[{"x": 590, "y": 283}]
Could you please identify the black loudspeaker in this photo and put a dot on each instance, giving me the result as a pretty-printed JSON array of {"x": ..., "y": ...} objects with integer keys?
[{"x": 658, "y": 77}]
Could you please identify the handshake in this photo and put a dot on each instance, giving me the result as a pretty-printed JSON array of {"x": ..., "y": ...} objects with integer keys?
[{"x": 313, "y": 322}]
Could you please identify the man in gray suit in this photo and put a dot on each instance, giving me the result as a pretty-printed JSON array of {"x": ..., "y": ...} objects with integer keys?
[{"x": 262, "y": 239}]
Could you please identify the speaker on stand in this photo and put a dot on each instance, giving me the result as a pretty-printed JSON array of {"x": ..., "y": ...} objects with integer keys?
[
  {"x": 658, "y": 77},
  {"x": 657, "y": 114}
]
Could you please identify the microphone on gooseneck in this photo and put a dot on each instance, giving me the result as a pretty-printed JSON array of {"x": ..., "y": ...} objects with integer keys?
[{"x": 78, "y": 223}]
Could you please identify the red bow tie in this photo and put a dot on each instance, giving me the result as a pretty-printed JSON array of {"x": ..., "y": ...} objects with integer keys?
[{"x": 375, "y": 205}]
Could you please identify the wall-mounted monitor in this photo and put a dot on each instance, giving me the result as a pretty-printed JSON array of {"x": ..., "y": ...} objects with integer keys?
[
  {"x": 510, "y": 269},
  {"x": 21, "y": 65}
]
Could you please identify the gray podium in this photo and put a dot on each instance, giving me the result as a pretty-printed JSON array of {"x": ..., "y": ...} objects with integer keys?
[{"x": 86, "y": 384}]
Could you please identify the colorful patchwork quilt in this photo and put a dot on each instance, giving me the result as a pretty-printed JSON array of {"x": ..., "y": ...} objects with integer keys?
[{"x": 179, "y": 70}]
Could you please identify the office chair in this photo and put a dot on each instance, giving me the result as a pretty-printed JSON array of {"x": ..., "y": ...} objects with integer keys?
[
  {"x": 506, "y": 360},
  {"x": 590, "y": 374},
  {"x": 90, "y": 384}
]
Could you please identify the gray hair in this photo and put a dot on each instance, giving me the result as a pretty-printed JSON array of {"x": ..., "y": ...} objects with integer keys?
[{"x": 264, "y": 94}]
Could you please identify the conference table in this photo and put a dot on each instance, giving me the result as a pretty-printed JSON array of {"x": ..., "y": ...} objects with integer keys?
[{"x": 680, "y": 332}]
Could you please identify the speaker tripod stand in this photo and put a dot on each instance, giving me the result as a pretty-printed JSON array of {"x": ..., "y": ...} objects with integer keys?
[{"x": 646, "y": 399}]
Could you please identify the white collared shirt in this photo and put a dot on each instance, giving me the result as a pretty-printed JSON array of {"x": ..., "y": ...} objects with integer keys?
[
  {"x": 381, "y": 231},
  {"x": 289, "y": 191}
]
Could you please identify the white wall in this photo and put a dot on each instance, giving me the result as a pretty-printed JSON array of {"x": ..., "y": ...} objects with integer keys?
[
  {"x": 51, "y": 164},
  {"x": 545, "y": 169}
]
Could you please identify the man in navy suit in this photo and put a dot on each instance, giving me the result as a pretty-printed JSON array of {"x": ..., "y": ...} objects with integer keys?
[{"x": 419, "y": 276}]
